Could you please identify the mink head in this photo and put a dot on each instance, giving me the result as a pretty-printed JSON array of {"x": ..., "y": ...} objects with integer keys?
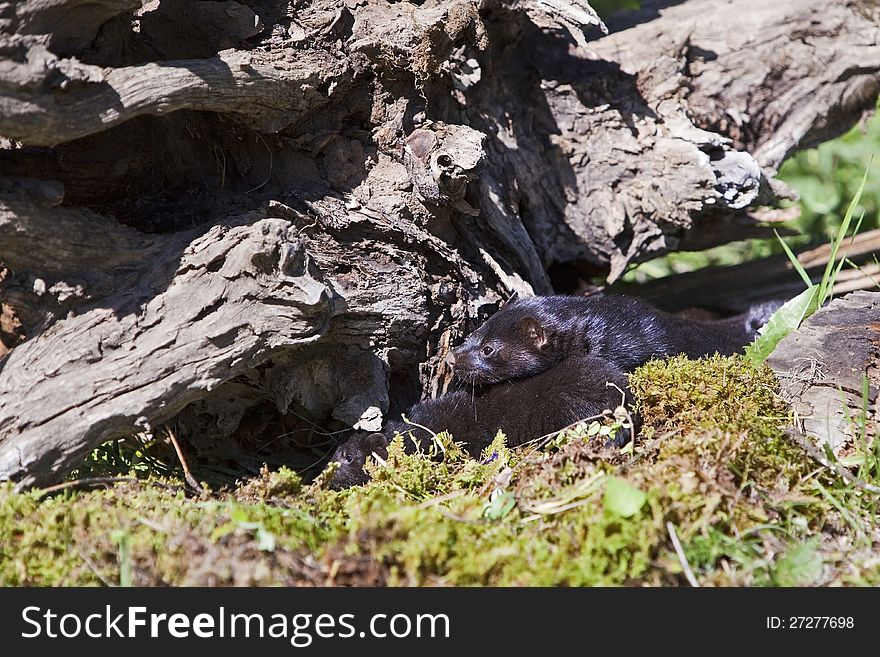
[
  {"x": 514, "y": 343},
  {"x": 351, "y": 456}
]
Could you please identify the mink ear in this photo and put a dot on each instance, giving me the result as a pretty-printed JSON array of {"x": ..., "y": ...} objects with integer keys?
[
  {"x": 535, "y": 332},
  {"x": 377, "y": 442}
]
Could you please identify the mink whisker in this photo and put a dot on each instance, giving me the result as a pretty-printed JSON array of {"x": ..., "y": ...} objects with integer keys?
[{"x": 473, "y": 398}]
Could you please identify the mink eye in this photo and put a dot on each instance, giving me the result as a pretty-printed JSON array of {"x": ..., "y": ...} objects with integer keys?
[{"x": 488, "y": 351}]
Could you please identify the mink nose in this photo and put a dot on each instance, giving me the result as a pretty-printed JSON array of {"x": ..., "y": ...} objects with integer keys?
[{"x": 450, "y": 359}]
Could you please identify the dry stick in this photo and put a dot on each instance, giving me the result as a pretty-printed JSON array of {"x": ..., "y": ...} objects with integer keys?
[
  {"x": 688, "y": 573},
  {"x": 539, "y": 442},
  {"x": 434, "y": 438},
  {"x": 271, "y": 165},
  {"x": 838, "y": 469},
  {"x": 547, "y": 437},
  {"x": 186, "y": 473},
  {"x": 93, "y": 567},
  {"x": 95, "y": 481}
]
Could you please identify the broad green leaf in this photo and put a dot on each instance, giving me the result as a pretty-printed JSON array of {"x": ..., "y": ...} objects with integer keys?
[
  {"x": 622, "y": 498},
  {"x": 785, "y": 320}
]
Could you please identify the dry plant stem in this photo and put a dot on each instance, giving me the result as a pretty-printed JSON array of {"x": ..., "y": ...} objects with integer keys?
[
  {"x": 836, "y": 468},
  {"x": 679, "y": 551},
  {"x": 100, "y": 481},
  {"x": 93, "y": 567},
  {"x": 186, "y": 472},
  {"x": 537, "y": 443}
]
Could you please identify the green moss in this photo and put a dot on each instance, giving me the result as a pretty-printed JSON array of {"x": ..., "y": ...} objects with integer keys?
[
  {"x": 720, "y": 393},
  {"x": 74, "y": 538},
  {"x": 713, "y": 467},
  {"x": 278, "y": 484},
  {"x": 455, "y": 544}
]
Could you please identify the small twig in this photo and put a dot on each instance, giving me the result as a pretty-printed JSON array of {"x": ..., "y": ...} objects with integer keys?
[
  {"x": 101, "y": 481},
  {"x": 437, "y": 501},
  {"x": 576, "y": 496},
  {"x": 468, "y": 521},
  {"x": 93, "y": 568},
  {"x": 688, "y": 573},
  {"x": 271, "y": 165},
  {"x": 838, "y": 469},
  {"x": 220, "y": 158},
  {"x": 434, "y": 501},
  {"x": 632, "y": 425},
  {"x": 186, "y": 473},
  {"x": 155, "y": 526},
  {"x": 537, "y": 443},
  {"x": 434, "y": 438}
]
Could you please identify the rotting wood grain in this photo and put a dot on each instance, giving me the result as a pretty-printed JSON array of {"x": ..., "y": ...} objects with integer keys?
[{"x": 822, "y": 368}]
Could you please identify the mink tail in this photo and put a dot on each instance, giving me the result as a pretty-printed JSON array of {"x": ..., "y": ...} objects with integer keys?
[{"x": 759, "y": 314}]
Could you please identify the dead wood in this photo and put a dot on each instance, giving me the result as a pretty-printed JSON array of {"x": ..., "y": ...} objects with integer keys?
[{"x": 830, "y": 373}]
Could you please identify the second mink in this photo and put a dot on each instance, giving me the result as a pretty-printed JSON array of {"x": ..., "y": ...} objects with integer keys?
[{"x": 575, "y": 389}]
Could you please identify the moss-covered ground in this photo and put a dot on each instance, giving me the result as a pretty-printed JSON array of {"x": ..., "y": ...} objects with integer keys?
[{"x": 713, "y": 491}]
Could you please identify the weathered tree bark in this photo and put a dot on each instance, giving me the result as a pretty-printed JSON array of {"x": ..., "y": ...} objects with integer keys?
[
  {"x": 207, "y": 204},
  {"x": 830, "y": 372}
]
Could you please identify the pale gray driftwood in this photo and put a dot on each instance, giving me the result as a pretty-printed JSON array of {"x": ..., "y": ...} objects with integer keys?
[
  {"x": 153, "y": 323},
  {"x": 825, "y": 366}
]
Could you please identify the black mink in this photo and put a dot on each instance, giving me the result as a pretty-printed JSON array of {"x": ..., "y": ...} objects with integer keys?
[{"x": 528, "y": 336}]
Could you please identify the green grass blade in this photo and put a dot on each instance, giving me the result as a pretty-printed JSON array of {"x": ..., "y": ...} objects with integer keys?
[
  {"x": 829, "y": 275},
  {"x": 843, "y": 258},
  {"x": 799, "y": 268},
  {"x": 857, "y": 267}
]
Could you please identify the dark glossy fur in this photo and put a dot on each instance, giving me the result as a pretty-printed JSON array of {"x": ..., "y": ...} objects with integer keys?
[
  {"x": 572, "y": 390},
  {"x": 529, "y": 335}
]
